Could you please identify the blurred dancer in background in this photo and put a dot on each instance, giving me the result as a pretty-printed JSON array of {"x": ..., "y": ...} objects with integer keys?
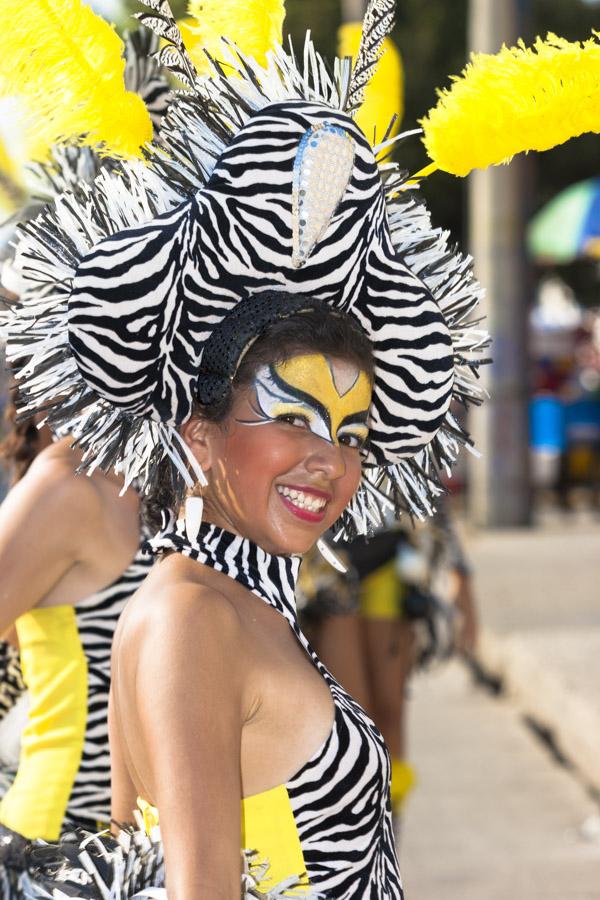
[
  {"x": 374, "y": 625},
  {"x": 84, "y": 539},
  {"x": 70, "y": 553},
  {"x": 21, "y": 444}
]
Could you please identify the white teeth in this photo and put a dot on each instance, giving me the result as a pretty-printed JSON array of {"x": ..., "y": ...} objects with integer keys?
[{"x": 302, "y": 500}]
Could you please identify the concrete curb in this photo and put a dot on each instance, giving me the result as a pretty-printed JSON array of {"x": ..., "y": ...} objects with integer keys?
[{"x": 541, "y": 693}]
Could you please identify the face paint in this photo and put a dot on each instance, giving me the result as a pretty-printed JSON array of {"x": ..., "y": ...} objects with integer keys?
[{"x": 331, "y": 400}]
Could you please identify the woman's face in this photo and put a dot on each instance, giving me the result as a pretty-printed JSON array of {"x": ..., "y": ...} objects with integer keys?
[{"x": 287, "y": 461}]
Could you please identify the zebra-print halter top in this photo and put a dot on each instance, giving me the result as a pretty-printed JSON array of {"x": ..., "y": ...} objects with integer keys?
[
  {"x": 340, "y": 798},
  {"x": 63, "y": 776}
]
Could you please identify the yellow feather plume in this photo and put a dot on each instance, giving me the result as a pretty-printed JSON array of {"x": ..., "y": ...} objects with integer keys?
[
  {"x": 521, "y": 99},
  {"x": 384, "y": 95},
  {"x": 254, "y": 25},
  {"x": 65, "y": 65}
]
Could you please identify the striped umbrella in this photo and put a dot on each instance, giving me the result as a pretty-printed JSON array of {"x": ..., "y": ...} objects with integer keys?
[{"x": 568, "y": 227}]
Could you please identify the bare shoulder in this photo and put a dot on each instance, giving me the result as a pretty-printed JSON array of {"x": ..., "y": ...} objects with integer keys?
[
  {"x": 54, "y": 473},
  {"x": 50, "y": 499},
  {"x": 175, "y": 605},
  {"x": 105, "y": 521}
]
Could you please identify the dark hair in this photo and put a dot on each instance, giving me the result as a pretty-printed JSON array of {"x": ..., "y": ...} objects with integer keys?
[
  {"x": 21, "y": 444},
  {"x": 331, "y": 333},
  {"x": 328, "y": 332}
]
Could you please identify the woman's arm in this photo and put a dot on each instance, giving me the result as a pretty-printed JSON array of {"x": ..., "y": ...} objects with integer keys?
[
  {"x": 189, "y": 693},
  {"x": 123, "y": 795},
  {"x": 44, "y": 525}
]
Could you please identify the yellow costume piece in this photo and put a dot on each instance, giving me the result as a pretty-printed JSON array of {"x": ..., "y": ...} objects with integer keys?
[
  {"x": 404, "y": 779},
  {"x": 255, "y": 26},
  {"x": 13, "y": 156},
  {"x": 55, "y": 672},
  {"x": 381, "y": 593},
  {"x": 65, "y": 65},
  {"x": 149, "y": 815},
  {"x": 268, "y": 827},
  {"x": 520, "y": 99}
]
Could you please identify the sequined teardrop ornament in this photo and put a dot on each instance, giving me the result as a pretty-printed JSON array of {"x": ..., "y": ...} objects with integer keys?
[{"x": 322, "y": 170}]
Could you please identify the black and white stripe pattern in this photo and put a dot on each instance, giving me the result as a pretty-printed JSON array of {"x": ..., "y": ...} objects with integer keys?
[
  {"x": 145, "y": 301},
  {"x": 12, "y": 685},
  {"x": 143, "y": 74},
  {"x": 144, "y": 265},
  {"x": 99, "y": 868},
  {"x": 13, "y": 702},
  {"x": 97, "y": 617},
  {"x": 340, "y": 797},
  {"x": 377, "y": 24}
]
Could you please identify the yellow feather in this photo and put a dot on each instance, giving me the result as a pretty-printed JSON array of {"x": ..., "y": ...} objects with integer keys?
[
  {"x": 254, "y": 25},
  {"x": 384, "y": 95},
  {"x": 521, "y": 99},
  {"x": 65, "y": 64}
]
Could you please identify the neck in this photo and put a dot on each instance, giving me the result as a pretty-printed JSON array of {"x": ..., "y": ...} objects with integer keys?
[
  {"x": 213, "y": 513},
  {"x": 273, "y": 578}
]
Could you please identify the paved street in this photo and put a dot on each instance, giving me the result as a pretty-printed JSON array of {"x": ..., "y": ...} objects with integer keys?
[
  {"x": 494, "y": 816},
  {"x": 534, "y": 580}
]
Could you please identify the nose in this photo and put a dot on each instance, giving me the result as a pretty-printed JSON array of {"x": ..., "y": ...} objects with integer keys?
[{"x": 326, "y": 459}]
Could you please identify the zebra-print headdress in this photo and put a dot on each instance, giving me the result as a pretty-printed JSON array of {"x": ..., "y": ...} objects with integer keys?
[{"x": 262, "y": 182}]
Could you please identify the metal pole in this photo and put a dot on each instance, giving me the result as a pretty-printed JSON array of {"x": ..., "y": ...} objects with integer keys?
[
  {"x": 353, "y": 10},
  {"x": 499, "y": 492}
]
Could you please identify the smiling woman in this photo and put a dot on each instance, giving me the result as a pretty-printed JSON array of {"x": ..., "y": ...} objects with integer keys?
[
  {"x": 263, "y": 328},
  {"x": 282, "y": 461},
  {"x": 296, "y": 413}
]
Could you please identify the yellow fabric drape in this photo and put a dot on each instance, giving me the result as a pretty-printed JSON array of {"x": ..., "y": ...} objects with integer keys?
[
  {"x": 55, "y": 672},
  {"x": 268, "y": 826}
]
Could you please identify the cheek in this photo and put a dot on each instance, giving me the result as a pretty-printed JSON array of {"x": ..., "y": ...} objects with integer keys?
[
  {"x": 351, "y": 479},
  {"x": 254, "y": 456}
]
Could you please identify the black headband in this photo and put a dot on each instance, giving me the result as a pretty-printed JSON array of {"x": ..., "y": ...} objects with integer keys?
[{"x": 245, "y": 324}]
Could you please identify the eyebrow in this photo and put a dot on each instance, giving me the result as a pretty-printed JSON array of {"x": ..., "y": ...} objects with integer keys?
[
  {"x": 302, "y": 395},
  {"x": 359, "y": 418}
]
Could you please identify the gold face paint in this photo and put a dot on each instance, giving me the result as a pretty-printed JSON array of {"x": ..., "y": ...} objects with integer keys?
[{"x": 332, "y": 401}]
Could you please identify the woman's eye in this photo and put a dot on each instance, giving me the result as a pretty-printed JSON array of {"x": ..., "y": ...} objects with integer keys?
[
  {"x": 356, "y": 441},
  {"x": 293, "y": 419}
]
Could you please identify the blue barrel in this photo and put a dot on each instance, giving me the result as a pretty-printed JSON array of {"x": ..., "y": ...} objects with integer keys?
[{"x": 547, "y": 424}]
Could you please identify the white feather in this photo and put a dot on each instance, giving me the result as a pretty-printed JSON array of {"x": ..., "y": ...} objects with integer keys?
[{"x": 194, "y": 508}]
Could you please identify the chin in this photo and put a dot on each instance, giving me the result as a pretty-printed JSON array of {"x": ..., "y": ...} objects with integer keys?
[
  {"x": 281, "y": 534},
  {"x": 282, "y": 541},
  {"x": 299, "y": 548},
  {"x": 291, "y": 543}
]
